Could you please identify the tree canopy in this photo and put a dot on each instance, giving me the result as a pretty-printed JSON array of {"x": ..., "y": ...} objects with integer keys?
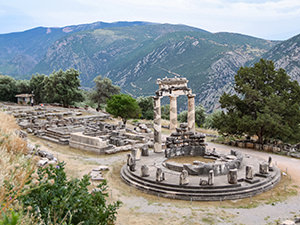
[
  {"x": 8, "y": 88},
  {"x": 103, "y": 90},
  {"x": 123, "y": 106},
  {"x": 266, "y": 104},
  {"x": 199, "y": 116},
  {"x": 63, "y": 87},
  {"x": 147, "y": 107},
  {"x": 37, "y": 83}
]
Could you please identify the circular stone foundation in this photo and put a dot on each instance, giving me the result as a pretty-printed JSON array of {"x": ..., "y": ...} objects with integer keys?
[{"x": 231, "y": 176}]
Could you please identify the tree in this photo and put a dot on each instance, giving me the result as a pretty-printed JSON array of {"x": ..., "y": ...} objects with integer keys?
[
  {"x": 266, "y": 104},
  {"x": 210, "y": 118},
  {"x": 199, "y": 115},
  {"x": 63, "y": 87},
  {"x": 182, "y": 117},
  {"x": 37, "y": 83},
  {"x": 8, "y": 88},
  {"x": 165, "y": 112},
  {"x": 23, "y": 87},
  {"x": 123, "y": 106},
  {"x": 147, "y": 107},
  {"x": 103, "y": 90}
]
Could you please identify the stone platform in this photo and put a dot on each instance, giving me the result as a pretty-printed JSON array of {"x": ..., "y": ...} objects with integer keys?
[{"x": 215, "y": 188}]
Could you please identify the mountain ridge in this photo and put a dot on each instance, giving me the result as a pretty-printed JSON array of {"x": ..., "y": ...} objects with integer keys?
[{"x": 134, "y": 55}]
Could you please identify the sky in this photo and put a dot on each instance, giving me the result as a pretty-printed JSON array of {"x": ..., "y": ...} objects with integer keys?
[{"x": 268, "y": 19}]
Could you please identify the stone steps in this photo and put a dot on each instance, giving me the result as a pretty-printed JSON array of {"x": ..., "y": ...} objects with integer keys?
[
  {"x": 55, "y": 139},
  {"x": 198, "y": 193}
]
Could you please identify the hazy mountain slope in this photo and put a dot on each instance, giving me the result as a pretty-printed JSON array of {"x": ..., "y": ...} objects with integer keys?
[
  {"x": 286, "y": 55},
  {"x": 134, "y": 55},
  {"x": 21, "y": 51}
]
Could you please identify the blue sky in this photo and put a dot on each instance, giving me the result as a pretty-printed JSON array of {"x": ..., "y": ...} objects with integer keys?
[{"x": 269, "y": 19}]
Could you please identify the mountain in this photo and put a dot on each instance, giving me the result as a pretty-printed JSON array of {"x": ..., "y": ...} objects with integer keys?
[
  {"x": 21, "y": 51},
  {"x": 286, "y": 55},
  {"x": 135, "y": 55}
]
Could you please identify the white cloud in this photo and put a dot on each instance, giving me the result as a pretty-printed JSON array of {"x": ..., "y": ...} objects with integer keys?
[{"x": 262, "y": 18}]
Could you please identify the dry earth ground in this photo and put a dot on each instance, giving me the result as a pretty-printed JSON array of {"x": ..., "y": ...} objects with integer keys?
[{"x": 140, "y": 208}]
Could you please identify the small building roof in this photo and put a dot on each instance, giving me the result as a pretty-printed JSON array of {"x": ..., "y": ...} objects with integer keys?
[{"x": 24, "y": 95}]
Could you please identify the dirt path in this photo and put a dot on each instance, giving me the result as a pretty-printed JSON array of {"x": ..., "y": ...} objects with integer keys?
[{"x": 139, "y": 208}]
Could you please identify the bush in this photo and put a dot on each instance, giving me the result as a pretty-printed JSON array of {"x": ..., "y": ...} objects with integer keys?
[
  {"x": 10, "y": 220},
  {"x": 57, "y": 199},
  {"x": 182, "y": 117}
]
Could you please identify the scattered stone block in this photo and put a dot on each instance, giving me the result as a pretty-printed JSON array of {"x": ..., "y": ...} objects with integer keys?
[
  {"x": 183, "y": 178},
  {"x": 160, "y": 175},
  {"x": 145, "y": 150},
  {"x": 145, "y": 171},
  {"x": 249, "y": 172},
  {"x": 42, "y": 162},
  {"x": 264, "y": 168}
]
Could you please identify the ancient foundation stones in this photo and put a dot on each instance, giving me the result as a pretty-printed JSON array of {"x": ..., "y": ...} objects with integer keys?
[
  {"x": 249, "y": 172},
  {"x": 144, "y": 171},
  {"x": 183, "y": 178},
  {"x": 232, "y": 176},
  {"x": 160, "y": 175},
  {"x": 211, "y": 177},
  {"x": 264, "y": 168},
  {"x": 145, "y": 150},
  {"x": 85, "y": 132},
  {"x": 154, "y": 177}
]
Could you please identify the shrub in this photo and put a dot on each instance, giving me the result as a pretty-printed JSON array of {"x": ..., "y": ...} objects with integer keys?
[{"x": 57, "y": 199}]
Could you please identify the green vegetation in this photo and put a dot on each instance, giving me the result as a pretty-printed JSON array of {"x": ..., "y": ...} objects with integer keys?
[
  {"x": 208, "y": 123},
  {"x": 45, "y": 195},
  {"x": 182, "y": 117},
  {"x": 60, "y": 87},
  {"x": 63, "y": 87},
  {"x": 37, "y": 83},
  {"x": 8, "y": 88},
  {"x": 147, "y": 107},
  {"x": 123, "y": 106},
  {"x": 199, "y": 116},
  {"x": 57, "y": 199},
  {"x": 266, "y": 105},
  {"x": 165, "y": 112},
  {"x": 103, "y": 90}
]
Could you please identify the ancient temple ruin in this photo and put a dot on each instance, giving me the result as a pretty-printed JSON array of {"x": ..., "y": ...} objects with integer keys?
[
  {"x": 172, "y": 87},
  {"x": 214, "y": 176}
]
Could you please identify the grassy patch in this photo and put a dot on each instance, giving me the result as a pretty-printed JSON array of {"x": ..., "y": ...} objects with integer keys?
[{"x": 208, "y": 220}]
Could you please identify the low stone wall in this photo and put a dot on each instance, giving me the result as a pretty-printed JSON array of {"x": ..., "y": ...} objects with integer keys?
[
  {"x": 221, "y": 167},
  {"x": 88, "y": 143},
  {"x": 285, "y": 149}
]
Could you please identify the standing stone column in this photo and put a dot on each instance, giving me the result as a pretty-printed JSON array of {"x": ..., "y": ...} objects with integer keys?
[
  {"x": 191, "y": 112},
  {"x": 173, "y": 113},
  {"x": 264, "y": 168},
  {"x": 211, "y": 177},
  {"x": 249, "y": 172},
  {"x": 232, "y": 176},
  {"x": 157, "y": 125}
]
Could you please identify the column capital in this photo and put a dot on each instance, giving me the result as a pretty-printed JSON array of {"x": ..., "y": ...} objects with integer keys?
[{"x": 191, "y": 95}]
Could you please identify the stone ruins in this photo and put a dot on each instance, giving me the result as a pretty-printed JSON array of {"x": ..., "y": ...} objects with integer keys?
[
  {"x": 81, "y": 129},
  {"x": 223, "y": 176},
  {"x": 172, "y": 87}
]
